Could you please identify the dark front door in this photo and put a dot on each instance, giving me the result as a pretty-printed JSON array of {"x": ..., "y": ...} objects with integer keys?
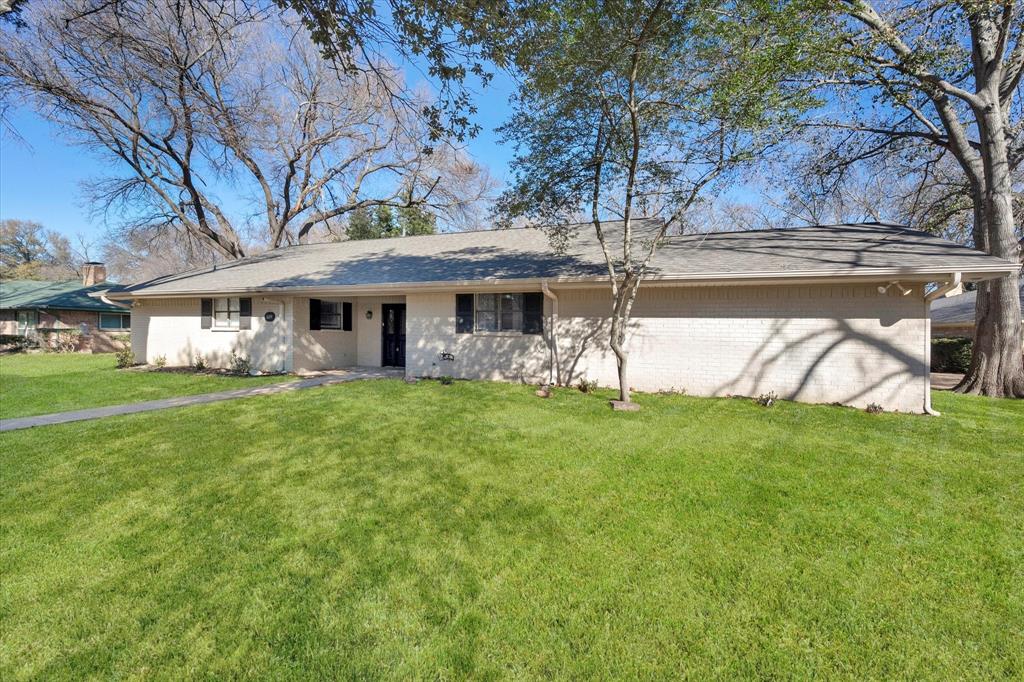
[{"x": 393, "y": 354}]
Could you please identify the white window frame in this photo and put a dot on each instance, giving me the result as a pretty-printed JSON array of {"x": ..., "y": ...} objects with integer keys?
[
  {"x": 121, "y": 326},
  {"x": 501, "y": 315},
  {"x": 227, "y": 306},
  {"x": 31, "y": 321}
]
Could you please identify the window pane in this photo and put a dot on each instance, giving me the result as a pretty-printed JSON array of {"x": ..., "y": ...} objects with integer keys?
[
  {"x": 487, "y": 302},
  {"x": 220, "y": 305},
  {"x": 110, "y": 321},
  {"x": 329, "y": 316},
  {"x": 233, "y": 305},
  {"x": 486, "y": 321},
  {"x": 511, "y": 312}
]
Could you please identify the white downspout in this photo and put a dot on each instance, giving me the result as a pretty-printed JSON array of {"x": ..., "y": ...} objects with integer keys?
[
  {"x": 553, "y": 345},
  {"x": 953, "y": 283}
]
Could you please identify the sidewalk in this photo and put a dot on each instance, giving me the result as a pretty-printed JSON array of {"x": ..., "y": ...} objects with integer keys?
[{"x": 322, "y": 379}]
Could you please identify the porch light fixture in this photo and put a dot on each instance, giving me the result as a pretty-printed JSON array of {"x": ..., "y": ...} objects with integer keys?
[{"x": 369, "y": 314}]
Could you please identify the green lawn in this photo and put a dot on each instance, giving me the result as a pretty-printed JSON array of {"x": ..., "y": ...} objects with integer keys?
[
  {"x": 50, "y": 382},
  {"x": 379, "y": 529}
]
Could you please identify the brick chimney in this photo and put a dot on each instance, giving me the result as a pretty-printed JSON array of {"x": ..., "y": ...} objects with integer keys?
[{"x": 93, "y": 273}]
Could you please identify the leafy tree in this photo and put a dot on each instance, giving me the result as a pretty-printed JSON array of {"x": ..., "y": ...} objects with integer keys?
[
  {"x": 632, "y": 108},
  {"x": 927, "y": 92},
  {"x": 413, "y": 220},
  {"x": 361, "y": 225},
  {"x": 30, "y": 251},
  {"x": 384, "y": 223}
]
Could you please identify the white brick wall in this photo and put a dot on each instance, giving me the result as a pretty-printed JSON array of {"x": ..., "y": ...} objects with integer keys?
[
  {"x": 838, "y": 343},
  {"x": 821, "y": 343},
  {"x": 171, "y": 328},
  {"x": 430, "y": 331}
]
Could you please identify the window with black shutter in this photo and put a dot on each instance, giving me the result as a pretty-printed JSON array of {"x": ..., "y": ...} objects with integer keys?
[
  {"x": 330, "y": 315},
  {"x": 464, "y": 313},
  {"x": 497, "y": 313},
  {"x": 245, "y": 313},
  {"x": 206, "y": 313},
  {"x": 533, "y": 313},
  {"x": 314, "y": 314}
]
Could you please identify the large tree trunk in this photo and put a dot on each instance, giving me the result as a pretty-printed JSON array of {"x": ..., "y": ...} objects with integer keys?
[{"x": 997, "y": 362}]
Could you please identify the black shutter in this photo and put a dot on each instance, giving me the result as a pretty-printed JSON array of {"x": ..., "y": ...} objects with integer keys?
[
  {"x": 346, "y": 317},
  {"x": 245, "y": 313},
  {"x": 314, "y": 314},
  {"x": 463, "y": 313},
  {"x": 206, "y": 313},
  {"x": 533, "y": 313}
]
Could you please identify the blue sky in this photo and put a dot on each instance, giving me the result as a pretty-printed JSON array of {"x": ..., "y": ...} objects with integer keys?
[{"x": 41, "y": 177}]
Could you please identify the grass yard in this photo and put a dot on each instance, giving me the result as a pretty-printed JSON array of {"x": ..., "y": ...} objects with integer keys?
[
  {"x": 385, "y": 530},
  {"x": 40, "y": 383}
]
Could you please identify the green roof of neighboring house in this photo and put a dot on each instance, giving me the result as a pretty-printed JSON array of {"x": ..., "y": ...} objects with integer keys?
[{"x": 37, "y": 295}]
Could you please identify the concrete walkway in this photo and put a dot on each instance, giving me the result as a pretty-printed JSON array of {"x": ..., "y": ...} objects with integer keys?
[
  {"x": 311, "y": 380},
  {"x": 942, "y": 381}
]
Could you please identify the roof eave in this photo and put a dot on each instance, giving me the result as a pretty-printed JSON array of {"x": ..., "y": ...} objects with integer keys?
[{"x": 844, "y": 275}]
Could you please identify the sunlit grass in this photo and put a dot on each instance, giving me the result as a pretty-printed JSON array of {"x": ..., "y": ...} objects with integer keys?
[
  {"x": 379, "y": 529},
  {"x": 40, "y": 383}
]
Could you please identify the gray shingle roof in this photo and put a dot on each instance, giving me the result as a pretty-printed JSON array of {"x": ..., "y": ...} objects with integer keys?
[
  {"x": 526, "y": 254},
  {"x": 959, "y": 310}
]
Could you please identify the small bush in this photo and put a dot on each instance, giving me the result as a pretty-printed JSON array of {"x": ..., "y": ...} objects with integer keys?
[
  {"x": 60, "y": 340},
  {"x": 874, "y": 408},
  {"x": 239, "y": 364},
  {"x": 160, "y": 361},
  {"x": 585, "y": 386},
  {"x": 951, "y": 355},
  {"x": 767, "y": 399},
  {"x": 17, "y": 343},
  {"x": 199, "y": 364},
  {"x": 447, "y": 380},
  {"x": 124, "y": 358}
]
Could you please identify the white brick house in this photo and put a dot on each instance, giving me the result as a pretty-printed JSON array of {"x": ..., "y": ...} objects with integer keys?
[{"x": 821, "y": 314}]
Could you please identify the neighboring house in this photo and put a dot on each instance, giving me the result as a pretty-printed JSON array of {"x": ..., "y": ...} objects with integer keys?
[
  {"x": 42, "y": 310},
  {"x": 953, "y": 316},
  {"x": 819, "y": 314}
]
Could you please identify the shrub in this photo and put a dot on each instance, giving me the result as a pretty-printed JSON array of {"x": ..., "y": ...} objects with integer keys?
[
  {"x": 60, "y": 340},
  {"x": 124, "y": 358},
  {"x": 16, "y": 342},
  {"x": 447, "y": 380},
  {"x": 585, "y": 386},
  {"x": 239, "y": 364},
  {"x": 951, "y": 355},
  {"x": 160, "y": 361},
  {"x": 767, "y": 399},
  {"x": 199, "y": 364},
  {"x": 874, "y": 408}
]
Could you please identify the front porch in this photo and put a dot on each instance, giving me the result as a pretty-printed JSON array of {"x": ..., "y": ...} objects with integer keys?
[{"x": 347, "y": 333}]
